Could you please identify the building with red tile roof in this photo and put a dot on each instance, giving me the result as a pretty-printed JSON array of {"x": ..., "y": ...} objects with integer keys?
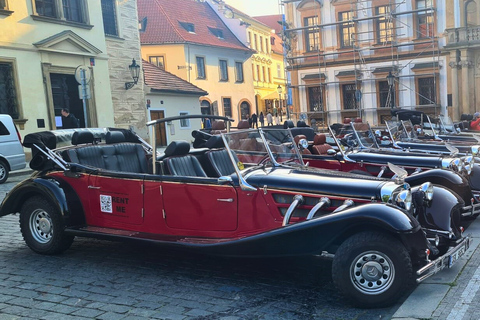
[{"x": 189, "y": 39}]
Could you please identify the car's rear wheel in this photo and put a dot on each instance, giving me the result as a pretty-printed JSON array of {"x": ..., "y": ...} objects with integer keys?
[
  {"x": 3, "y": 171},
  {"x": 372, "y": 269},
  {"x": 42, "y": 227}
]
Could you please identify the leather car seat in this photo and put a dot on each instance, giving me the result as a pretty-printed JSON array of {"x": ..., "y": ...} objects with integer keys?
[
  {"x": 297, "y": 139},
  {"x": 319, "y": 144},
  {"x": 180, "y": 163}
]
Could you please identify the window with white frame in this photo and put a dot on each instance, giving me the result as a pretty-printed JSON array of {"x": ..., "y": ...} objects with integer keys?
[
  {"x": 67, "y": 10},
  {"x": 184, "y": 123}
]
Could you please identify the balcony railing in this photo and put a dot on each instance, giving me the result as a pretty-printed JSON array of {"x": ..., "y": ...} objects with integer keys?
[{"x": 458, "y": 37}]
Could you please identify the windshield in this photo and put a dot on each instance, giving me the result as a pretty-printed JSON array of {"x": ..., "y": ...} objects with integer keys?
[
  {"x": 396, "y": 130},
  {"x": 447, "y": 125},
  {"x": 249, "y": 149},
  {"x": 359, "y": 135}
]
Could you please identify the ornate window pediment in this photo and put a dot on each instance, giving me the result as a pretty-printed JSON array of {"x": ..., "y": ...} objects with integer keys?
[{"x": 67, "y": 42}]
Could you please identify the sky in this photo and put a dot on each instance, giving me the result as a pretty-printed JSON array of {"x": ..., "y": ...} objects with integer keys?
[{"x": 255, "y": 7}]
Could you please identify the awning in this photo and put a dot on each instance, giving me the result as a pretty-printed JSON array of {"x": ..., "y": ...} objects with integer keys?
[{"x": 271, "y": 96}]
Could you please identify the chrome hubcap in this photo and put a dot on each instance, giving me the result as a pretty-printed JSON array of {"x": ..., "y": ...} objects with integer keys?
[
  {"x": 372, "y": 272},
  {"x": 41, "y": 226}
]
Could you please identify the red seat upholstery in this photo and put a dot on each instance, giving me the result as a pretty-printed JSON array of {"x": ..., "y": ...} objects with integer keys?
[
  {"x": 358, "y": 120},
  {"x": 347, "y": 120},
  {"x": 243, "y": 124},
  {"x": 319, "y": 144},
  {"x": 218, "y": 127}
]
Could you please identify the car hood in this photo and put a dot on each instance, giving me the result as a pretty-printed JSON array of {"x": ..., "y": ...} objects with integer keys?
[
  {"x": 315, "y": 180},
  {"x": 396, "y": 157}
]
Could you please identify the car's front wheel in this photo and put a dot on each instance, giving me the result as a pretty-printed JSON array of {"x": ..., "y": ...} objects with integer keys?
[
  {"x": 372, "y": 269},
  {"x": 42, "y": 227}
]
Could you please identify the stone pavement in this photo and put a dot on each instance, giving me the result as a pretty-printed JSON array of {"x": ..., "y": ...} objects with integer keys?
[
  {"x": 451, "y": 294},
  {"x": 110, "y": 280}
]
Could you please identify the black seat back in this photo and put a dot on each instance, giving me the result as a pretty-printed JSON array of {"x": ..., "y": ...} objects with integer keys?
[{"x": 180, "y": 163}]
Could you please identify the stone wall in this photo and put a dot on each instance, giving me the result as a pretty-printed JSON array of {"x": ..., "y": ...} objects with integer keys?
[{"x": 128, "y": 105}]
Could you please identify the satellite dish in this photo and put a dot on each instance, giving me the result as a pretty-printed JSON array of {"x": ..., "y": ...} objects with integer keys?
[{"x": 303, "y": 116}]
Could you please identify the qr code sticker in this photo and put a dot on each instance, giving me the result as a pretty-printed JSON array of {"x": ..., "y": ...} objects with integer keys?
[{"x": 105, "y": 203}]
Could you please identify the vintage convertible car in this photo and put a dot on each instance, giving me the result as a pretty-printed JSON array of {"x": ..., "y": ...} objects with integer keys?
[
  {"x": 440, "y": 128},
  {"x": 404, "y": 135},
  {"x": 244, "y": 194},
  {"x": 356, "y": 150}
]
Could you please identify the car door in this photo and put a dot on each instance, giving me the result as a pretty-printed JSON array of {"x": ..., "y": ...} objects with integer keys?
[
  {"x": 202, "y": 204},
  {"x": 116, "y": 199}
]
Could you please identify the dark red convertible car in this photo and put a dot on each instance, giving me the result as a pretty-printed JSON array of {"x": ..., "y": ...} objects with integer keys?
[{"x": 245, "y": 194}]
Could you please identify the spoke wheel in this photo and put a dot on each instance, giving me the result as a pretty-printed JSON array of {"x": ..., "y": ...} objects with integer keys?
[{"x": 42, "y": 227}]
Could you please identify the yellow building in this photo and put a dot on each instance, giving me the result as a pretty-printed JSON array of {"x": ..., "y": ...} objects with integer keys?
[{"x": 188, "y": 39}]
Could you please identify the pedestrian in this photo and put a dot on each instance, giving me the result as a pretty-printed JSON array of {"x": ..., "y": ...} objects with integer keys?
[
  {"x": 254, "y": 121},
  {"x": 207, "y": 123},
  {"x": 68, "y": 119},
  {"x": 275, "y": 116},
  {"x": 249, "y": 121},
  {"x": 475, "y": 124},
  {"x": 269, "y": 119},
  {"x": 261, "y": 118}
]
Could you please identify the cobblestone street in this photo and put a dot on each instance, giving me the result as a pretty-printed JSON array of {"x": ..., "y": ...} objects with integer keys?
[{"x": 110, "y": 280}]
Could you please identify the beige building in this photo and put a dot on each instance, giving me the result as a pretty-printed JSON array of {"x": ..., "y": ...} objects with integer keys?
[
  {"x": 364, "y": 58},
  {"x": 463, "y": 47},
  {"x": 42, "y": 45}
]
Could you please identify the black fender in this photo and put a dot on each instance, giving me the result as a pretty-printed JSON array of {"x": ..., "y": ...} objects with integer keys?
[
  {"x": 442, "y": 212},
  {"x": 326, "y": 232},
  {"x": 446, "y": 178},
  {"x": 474, "y": 178},
  {"x": 58, "y": 193}
]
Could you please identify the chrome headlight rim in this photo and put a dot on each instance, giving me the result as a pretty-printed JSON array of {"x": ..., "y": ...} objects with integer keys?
[
  {"x": 456, "y": 165},
  {"x": 404, "y": 200},
  {"x": 468, "y": 163},
  {"x": 427, "y": 189},
  {"x": 474, "y": 150}
]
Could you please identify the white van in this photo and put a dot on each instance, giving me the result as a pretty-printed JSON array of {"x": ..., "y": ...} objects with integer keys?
[{"x": 12, "y": 156}]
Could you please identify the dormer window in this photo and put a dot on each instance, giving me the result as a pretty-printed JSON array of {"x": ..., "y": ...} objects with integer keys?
[
  {"x": 216, "y": 32},
  {"x": 142, "y": 25},
  {"x": 190, "y": 27}
]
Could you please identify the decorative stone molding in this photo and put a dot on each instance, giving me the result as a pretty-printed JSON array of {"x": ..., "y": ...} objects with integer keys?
[
  {"x": 467, "y": 64},
  {"x": 455, "y": 65}
]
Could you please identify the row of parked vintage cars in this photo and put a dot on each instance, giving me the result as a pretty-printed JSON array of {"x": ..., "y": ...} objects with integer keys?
[{"x": 388, "y": 215}]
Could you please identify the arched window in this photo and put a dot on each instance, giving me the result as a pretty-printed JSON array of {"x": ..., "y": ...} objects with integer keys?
[
  {"x": 205, "y": 107},
  {"x": 245, "y": 110},
  {"x": 471, "y": 14}
]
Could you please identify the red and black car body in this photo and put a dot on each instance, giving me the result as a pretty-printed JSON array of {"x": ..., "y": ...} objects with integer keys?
[{"x": 227, "y": 199}]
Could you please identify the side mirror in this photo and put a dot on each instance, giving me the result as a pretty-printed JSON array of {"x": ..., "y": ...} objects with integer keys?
[
  {"x": 331, "y": 152},
  {"x": 224, "y": 180}
]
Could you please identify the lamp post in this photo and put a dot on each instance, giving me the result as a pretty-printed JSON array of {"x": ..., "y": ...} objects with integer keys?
[
  {"x": 391, "y": 82},
  {"x": 279, "y": 90},
  {"x": 135, "y": 73}
]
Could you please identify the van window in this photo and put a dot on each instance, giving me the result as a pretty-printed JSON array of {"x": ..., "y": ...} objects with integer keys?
[{"x": 3, "y": 130}]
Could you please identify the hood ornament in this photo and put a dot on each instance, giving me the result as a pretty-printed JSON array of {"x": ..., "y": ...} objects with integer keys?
[
  {"x": 453, "y": 151},
  {"x": 400, "y": 173}
]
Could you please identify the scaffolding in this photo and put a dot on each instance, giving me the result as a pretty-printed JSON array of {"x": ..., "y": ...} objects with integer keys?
[{"x": 401, "y": 45}]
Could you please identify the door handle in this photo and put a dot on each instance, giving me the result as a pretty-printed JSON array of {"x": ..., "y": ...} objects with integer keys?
[
  {"x": 225, "y": 200},
  {"x": 93, "y": 187}
]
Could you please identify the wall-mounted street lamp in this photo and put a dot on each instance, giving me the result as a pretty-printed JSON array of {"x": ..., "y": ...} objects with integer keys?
[
  {"x": 135, "y": 72},
  {"x": 391, "y": 82},
  {"x": 279, "y": 90}
]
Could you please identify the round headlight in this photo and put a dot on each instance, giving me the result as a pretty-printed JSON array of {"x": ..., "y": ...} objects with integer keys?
[
  {"x": 427, "y": 189},
  {"x": 468, "y": 163},
  {"x": 404, "y": 200},
  {"x": 474, "y": 150},
  {"x": 456, "y": 165}
]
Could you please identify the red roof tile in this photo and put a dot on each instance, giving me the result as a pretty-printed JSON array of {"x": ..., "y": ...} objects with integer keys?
[
  {"x": 272, "y": 22},
  {"x": 161, "y": 80},
  {"x": 164, "y": 18}
]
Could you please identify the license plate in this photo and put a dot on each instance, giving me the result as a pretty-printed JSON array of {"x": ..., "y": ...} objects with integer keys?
[{"x": 457, "y": 254}]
